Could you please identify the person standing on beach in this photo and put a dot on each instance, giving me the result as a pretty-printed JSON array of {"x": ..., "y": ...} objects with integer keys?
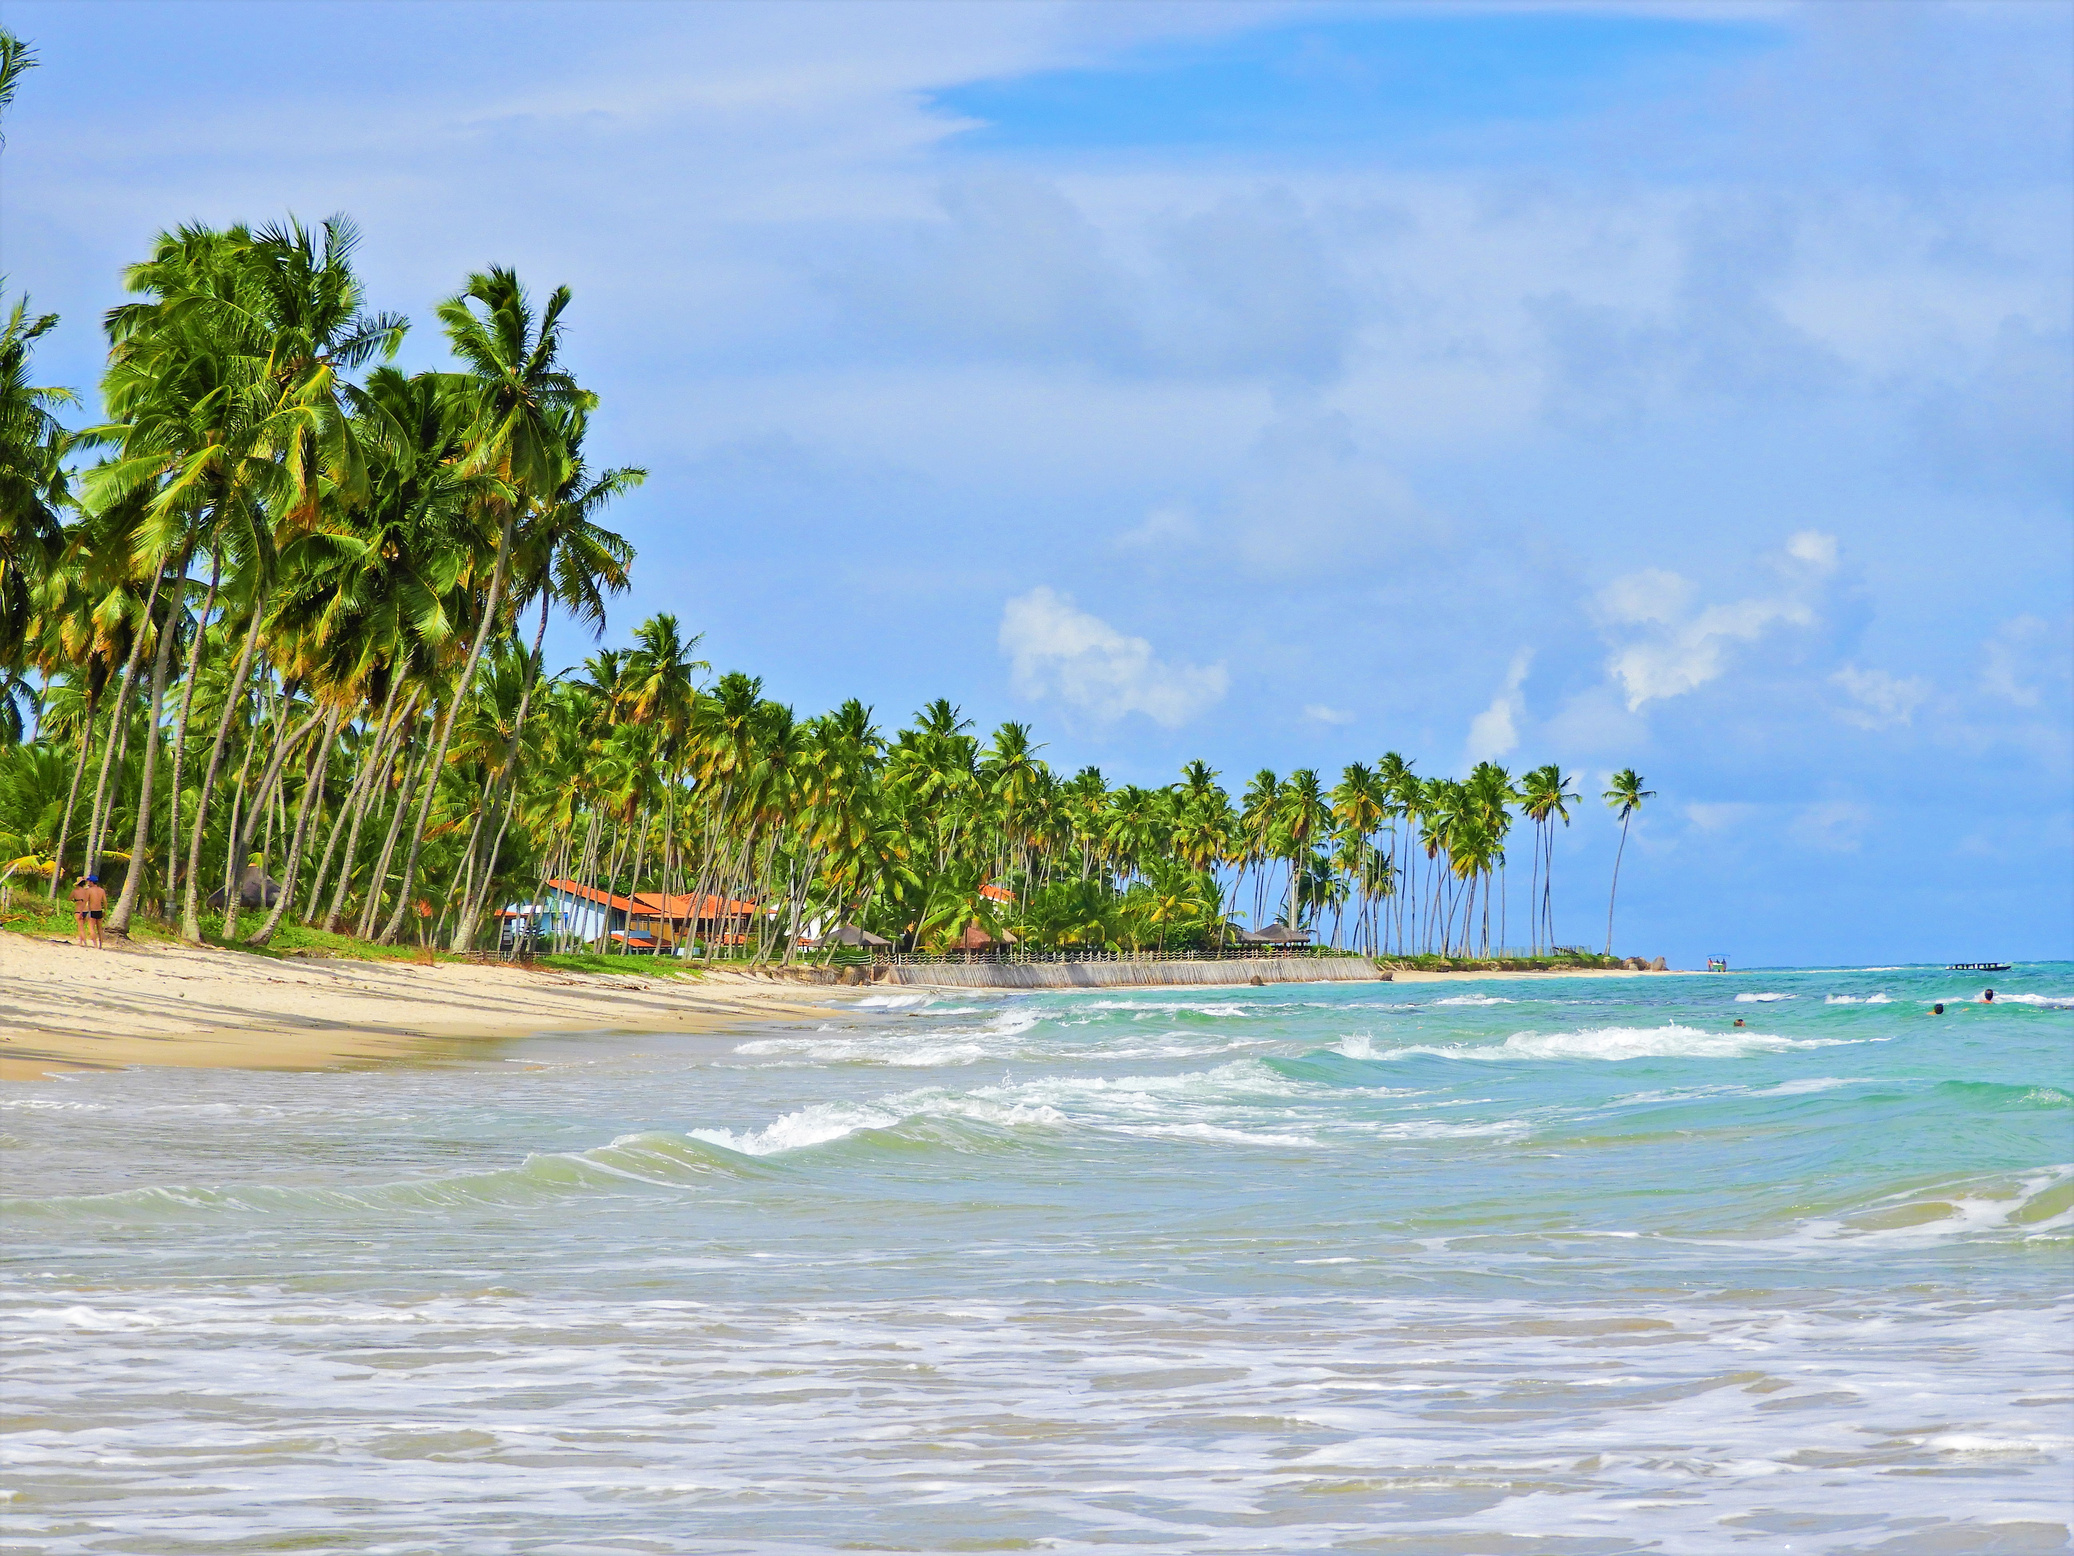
[{"x": 89, "y": 902}]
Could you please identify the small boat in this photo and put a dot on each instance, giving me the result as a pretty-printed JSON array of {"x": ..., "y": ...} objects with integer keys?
[{"x": 1978, "y": 967}]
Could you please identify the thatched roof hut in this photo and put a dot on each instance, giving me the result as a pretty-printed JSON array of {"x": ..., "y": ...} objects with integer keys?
[
  {"x": 851, "y": 935},
  {"x": 1275, "y": 934}
]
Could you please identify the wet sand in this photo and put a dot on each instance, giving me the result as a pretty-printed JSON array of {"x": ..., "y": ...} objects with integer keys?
[{"x": 67, "y": 1008}]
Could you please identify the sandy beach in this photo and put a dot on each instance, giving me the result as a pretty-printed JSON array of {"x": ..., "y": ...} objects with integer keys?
[{"x": 65, "y": 1008}]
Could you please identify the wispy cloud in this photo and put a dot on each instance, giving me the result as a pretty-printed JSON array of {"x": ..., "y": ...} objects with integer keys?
[
  {"x": 1879, "y": 700},
  {"x": 1057, "y": 650},
  {"x": 1495, "y": 731},
  {"x": 1666, "y": 648}
]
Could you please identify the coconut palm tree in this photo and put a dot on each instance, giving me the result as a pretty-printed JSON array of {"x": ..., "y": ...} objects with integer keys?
[
  {"x": 518, "y": 399},
  {"x": 34, "y": 491},
  {"x": 1625, "y": 795}
]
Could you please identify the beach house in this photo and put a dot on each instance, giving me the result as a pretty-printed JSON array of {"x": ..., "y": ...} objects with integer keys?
[{"x": 645, "y": 922}]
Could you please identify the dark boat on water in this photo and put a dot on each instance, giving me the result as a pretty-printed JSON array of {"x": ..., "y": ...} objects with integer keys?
[{"x": 1978, "y": 967}]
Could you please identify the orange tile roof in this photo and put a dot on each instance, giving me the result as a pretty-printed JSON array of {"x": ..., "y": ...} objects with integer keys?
[{"x": 677, "y": 905}]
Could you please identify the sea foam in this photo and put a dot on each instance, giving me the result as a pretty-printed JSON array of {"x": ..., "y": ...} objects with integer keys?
[{"x": 1665, "y": 1042}]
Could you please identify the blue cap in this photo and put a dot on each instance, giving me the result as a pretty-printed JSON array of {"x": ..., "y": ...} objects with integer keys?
[{"x": 94, "y": 879}]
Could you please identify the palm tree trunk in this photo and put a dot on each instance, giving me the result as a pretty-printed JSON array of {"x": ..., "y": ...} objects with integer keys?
[
  {"x": 140, "y": 838},
  {"x": 194, "y": 668},
  {"x": 388, "y": 747},
  {"x": 191, "y": 898},
  {"x": 117, "y": 721},
  {"x": 263, "y": 806},
  {"x": 1615, "y": 892},
  {"x": 312, "y": 790},
  {"x": 86, "y": 742},
  {"x": 378, "y": 881},
  {"x": 446, "y": 734},
  {"x": 506, "y": 786},
  {"x": 373, "y": 738}
]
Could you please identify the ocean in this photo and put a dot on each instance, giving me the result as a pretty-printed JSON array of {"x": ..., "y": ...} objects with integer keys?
[{"x": 1557, "y": 1266}]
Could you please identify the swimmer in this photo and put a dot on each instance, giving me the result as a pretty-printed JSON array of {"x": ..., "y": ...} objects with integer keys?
[
  {"x": 1987, "y": 996},
  {"x": 1937, "y": 1009},
  {"x": 1739, "y": 1021}
]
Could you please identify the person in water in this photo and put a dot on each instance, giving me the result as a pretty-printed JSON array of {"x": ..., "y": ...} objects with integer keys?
[
  {"x": 1987, "y": 996},
  {"x": 1739, "y": 1021},
  {"x": 1937, "y": 1009},
  {"x": 89, "y": 902}
]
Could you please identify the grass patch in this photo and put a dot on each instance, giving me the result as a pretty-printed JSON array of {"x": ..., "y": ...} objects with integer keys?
[
  {"x": 29, "y": 913},
  {"x": 623, "y": 966},
  {"x": 1568, "y": 962}
]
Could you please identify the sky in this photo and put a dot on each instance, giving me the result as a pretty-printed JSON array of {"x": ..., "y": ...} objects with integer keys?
[{"x": 1687, "y": 387}]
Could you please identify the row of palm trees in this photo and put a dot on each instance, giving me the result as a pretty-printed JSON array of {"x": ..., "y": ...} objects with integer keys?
[{"x": 272, "y": 645}]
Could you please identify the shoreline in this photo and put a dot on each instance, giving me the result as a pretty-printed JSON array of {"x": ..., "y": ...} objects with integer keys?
[
  {"x": 1415, "y": 976},
  {"x": 64, "y": 1009}
]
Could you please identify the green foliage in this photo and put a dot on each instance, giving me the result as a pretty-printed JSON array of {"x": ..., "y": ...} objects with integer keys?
[{"x": 293, "y": 619}]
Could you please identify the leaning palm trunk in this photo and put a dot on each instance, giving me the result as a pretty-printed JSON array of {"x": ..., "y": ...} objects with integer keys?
[
  {"x": 191, "y": 897},
  {"x": 86, "y": 741},
  {"x": 194, "y": 670},
  {"x": 383, "y": 765},
  {"x": 506, "y": 795},
  {"x": 446, "y": 734},
  {"x": 262, "y": 807},
  {"x": 374, "y": 737},
  {"x": 378, "y": 880},
  {"x": 140, "y": 837},
  {"x": 118, "y": 723},
  {"x": 1615, "y": 892},
  {"x": 312, "y": 790}
]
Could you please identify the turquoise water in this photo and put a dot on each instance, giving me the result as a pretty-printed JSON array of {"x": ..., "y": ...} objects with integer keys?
[{"x": 1563, "y": 1266}]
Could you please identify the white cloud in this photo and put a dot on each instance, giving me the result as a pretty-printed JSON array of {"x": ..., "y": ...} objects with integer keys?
[
  {"x": 1325, "y": 715},
  {"x": 1814, "y": 548},
  {"x": 1719, "y": 815},
  {"x": 2020, "y": 657},
  {"x": 1671, "y": 650},
  {"x": 1057, "y": 650},
  {"x": 1834, "y": 826},
  {"x": 1495, "y": 731},
  {"x": 1882, "y": 700},
  {"x": 1164, "y": 529}
]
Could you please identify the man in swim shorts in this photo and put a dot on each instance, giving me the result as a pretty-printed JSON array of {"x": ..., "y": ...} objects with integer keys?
[{"x": 89, "y": 902}]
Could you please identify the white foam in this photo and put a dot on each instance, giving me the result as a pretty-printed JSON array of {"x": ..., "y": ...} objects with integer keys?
[
  {"x": 1473, "y": 999},
  {"x": 1853, "y": 999},
  {"x": 1664, "y": 1042},
  {"x": 1761, "y": 999},
  {"x": 893, "y": 1001},
  {"x": 2044, "y": 1001},
  {"x": 904, "y": 1047},
  {"x": 1805, "y": 1088},
  {"x": 1167, "y": 1007},
  {"x": 1218, "y": 1133},
  {"x": 822, "y": 1122}
]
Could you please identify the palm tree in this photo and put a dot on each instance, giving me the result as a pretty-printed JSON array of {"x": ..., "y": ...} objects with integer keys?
[
  {"x": 518, "y": 399},
  {"x": 1546, "y": 798},
  {"x": 33, "y": 488},
  {"x": 1624, "y": 795}
]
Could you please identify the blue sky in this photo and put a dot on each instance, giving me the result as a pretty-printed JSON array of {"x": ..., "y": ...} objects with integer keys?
[{"x": 1689, "y": 387}]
